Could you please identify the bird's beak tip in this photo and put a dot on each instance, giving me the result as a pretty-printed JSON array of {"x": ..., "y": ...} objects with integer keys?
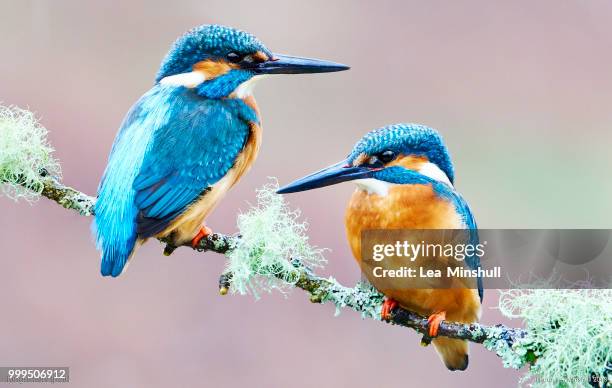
[{"x": 341, "y": 67}]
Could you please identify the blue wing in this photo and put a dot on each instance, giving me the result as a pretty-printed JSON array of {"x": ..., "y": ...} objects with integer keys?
[
  {"x": 473, "y": 262},
  {"x": 172, "y": 147},
  {"x": 185, "y": 160}
]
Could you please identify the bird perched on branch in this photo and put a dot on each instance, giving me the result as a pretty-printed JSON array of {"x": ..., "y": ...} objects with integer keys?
[
  {"x": 186, "y": 141},
  {"x": 404, "y": 178}
]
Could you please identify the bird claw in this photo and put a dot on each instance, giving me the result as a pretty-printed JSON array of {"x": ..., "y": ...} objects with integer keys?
[
  {"x": 388, "y": 306},
  {"x": 204, "y": 232},
  {"x": 433, "y": 323}
]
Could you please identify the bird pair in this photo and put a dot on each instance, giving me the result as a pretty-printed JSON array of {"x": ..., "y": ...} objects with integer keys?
[{"x": 197, "y": 131}]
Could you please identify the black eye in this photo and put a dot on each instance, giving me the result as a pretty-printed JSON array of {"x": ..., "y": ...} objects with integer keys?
[
  {"x": 233, "y": 57},
  {"x": 386, "y": 156}
]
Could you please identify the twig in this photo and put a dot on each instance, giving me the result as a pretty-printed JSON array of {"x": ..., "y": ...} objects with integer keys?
[
  {"x": 68, "y": 197},
  {"x": 499, "y": 338}
]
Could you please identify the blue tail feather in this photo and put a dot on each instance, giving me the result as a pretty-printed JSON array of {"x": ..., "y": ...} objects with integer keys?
[
  {"x": 116, "y": 246},
  {"x": 115, "y": 258},
  {"x": 115, "y": 223}
]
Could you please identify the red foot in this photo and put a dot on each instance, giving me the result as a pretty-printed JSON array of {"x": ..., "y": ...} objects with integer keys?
[
  {"x": 434, "y": 321},
  {"x": 388, "y": 306},
  {"x": 204, "y": 231}
]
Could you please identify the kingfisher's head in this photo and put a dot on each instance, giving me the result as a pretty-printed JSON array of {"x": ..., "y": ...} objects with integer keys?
[
  {"x": 219, "y": 61},
  {"x": 384, "y": 156}
]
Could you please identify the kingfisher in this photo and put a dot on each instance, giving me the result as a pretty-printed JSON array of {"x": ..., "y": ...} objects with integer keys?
[
  {"x": 186, "y": 141},
  {"x": 405, "y": 177}
]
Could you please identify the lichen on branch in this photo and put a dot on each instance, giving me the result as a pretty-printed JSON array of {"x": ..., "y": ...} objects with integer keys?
[
  {"x": 570, "y": 332},
  {"x": 25, "y": 155},
  {"x": 270, "y": 234}
]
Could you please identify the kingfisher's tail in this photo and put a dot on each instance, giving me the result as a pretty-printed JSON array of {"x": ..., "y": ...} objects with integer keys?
[
  {"x": 115, "y": 257},
  {"x": 453, "y": 352},
  {"x": 115, "y": 236}
]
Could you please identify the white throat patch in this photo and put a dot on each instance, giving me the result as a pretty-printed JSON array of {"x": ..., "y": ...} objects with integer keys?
[
  {"x": 245, "y": 89},
  {"x": 373, "y": 186}
]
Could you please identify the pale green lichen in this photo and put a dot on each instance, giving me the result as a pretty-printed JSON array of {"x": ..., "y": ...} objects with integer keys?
[
  {"x": 570, "y": 335},
  {"x": 272, "y": 241},
  {"x": 363, "y": 298},
  {"x": 514, "y": 354},
  {"x": 24, "y": 154}
]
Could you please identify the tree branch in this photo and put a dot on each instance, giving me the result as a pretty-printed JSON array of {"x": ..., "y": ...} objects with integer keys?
[
  {"x": 67, "y": 197},
  {"x": 502, "y": 339}
]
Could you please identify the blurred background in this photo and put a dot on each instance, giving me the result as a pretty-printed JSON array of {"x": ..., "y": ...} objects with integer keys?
[{"x": 520, "y": 90}]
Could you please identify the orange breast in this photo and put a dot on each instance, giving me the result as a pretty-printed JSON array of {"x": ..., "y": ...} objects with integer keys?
[
  {"x": 404, "y": 207},
  {"x": 411, "y": 207}
]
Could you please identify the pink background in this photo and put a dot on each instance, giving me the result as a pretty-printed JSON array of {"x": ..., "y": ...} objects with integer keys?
[{"x": 521, "y": 91}]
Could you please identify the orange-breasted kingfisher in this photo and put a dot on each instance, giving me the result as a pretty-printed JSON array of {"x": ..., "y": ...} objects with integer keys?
[
  {"x": 186, "y": 141},
  {"x": 405, "y": 178}
]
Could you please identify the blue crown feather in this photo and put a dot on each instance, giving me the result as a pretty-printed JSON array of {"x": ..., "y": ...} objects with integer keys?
[
  {"x": 207, "y": 41},
  {"x": 408, "y": 139}
]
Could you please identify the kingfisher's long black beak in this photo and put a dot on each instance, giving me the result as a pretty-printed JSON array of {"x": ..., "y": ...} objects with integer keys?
[
  {"x": 339, "y": 172},
  {"x": 286, "y": 64}
]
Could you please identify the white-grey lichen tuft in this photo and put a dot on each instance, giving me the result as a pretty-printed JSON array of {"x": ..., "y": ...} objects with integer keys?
[
  {"x": 24, "y": 154},
  {"x": 514, "y": 356},
  {"x": 570, "y": 335},
  {"x": 272, "y": 242},
  {"x": 363, "y": 298}
]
